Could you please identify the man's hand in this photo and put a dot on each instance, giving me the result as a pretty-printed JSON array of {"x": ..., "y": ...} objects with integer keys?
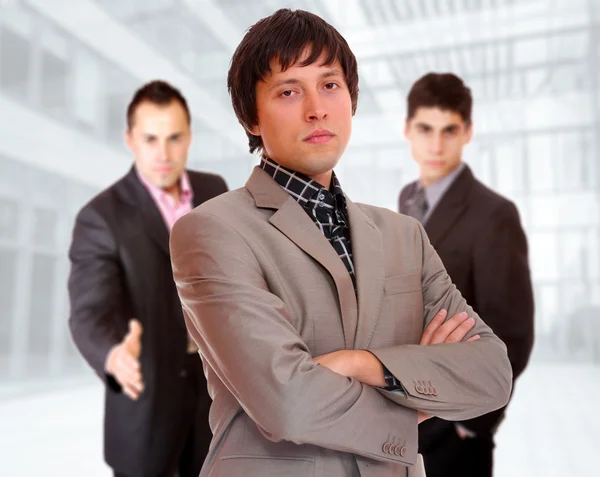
[
  {"x": 463, "y": 432},
  {"x": 452, "y": 331},
  {"x": 123, "y": 361}
]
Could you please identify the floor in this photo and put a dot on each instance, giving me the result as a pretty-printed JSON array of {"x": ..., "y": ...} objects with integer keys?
[{"x": 550, "y": 429}]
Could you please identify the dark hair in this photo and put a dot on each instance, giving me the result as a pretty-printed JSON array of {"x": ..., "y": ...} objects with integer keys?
[
  {"x": 440, "y": 90},
  {"x": 157, "y": 92},
  {"x": 284, "y": 35}
]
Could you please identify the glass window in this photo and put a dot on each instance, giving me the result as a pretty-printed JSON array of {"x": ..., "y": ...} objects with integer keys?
[
  {"x": 45, "y": 223},
  {"x": 546, "y": 305},
  {"x": 8, "y": 259},
  {"x": 43, "y": 288},
  {"x": 86, "y": 91},
  {"x": 543, "y": 256},
  {"x": 54, "y": 71},
  {"x": 9, "y": 219},
  {"x": 15, "y": 62},
  {"x": 541, "y": 165},
  {"x": 509, "y": 166}
]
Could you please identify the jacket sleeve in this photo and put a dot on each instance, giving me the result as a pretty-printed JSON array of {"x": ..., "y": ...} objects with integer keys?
[
  {"x": 95, "y": 291},
  {"x": 451, "y": 381}
]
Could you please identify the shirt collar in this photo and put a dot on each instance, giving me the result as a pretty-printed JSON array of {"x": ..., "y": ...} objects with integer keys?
[
  {"x": 301, "y": 187},
  {"x": 186, "y": 193},
  {"x": 434, "y": 192}
]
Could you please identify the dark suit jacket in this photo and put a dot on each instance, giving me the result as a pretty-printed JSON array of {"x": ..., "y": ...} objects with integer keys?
[
  {"x": 121, "y": 269},
  {"x": 478, "y": 235}
]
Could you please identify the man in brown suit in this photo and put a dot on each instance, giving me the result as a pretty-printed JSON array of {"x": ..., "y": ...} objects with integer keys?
[
  {"x": 309, "y": 310},
  {"x": 478, "y": 235}
]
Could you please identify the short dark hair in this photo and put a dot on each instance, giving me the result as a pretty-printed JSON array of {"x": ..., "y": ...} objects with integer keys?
[
  {"x": 440, "y": 90},
  {"x": 157, "y": 92},
  {"x": 284, "y": 35}
]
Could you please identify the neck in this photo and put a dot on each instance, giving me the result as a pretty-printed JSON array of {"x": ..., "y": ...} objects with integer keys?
[
  {"x": 173, "y": 192},
  {"x": 323, "y": 179},
  {"x": 428, "y": 180}
]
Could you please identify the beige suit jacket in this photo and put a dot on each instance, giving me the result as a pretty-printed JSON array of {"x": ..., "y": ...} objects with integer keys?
[{"x": 263, "y": 292}]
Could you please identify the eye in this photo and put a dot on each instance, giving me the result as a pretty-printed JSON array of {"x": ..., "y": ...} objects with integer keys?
[
  {"x": 331, "y": 86},
  {"x": 287, "y": 93}
]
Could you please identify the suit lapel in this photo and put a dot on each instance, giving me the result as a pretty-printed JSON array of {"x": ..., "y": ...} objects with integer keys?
[
  {"x": 369, "y": 266},
  {"x": 134, "y": 192},
  {"x": 291, "y": 220},
  {"x": 450, "y": 207},
  {"x": 199, "y": 188}
]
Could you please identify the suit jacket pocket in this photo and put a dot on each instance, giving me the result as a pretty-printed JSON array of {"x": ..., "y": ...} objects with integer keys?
[
  {"x": 263, "y": 466},
  {"x": 407, "y": 282}
]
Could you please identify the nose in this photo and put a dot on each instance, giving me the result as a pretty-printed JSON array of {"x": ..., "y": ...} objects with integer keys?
[
  {"x": 314, "y": 107},
  {"x": 437, "y": 144},
  {"x": 163, "y": 152}
]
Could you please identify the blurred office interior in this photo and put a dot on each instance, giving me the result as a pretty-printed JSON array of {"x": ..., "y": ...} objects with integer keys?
[{"x": 69, "y": 67}]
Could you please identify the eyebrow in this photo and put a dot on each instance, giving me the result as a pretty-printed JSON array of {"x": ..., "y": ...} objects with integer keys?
[
  {"x": 325, "y": 74},
  {"x": 448, "y": 128},
  {"x": 451, "y": 128},
  {"x": 175, "y": 135}
]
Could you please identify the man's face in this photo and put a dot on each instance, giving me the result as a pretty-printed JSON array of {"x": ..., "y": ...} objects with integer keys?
[
  {"x": 159, "y": 140},
  {"x": 437, "y": 139},
  {"x": 304, "y": 117}
]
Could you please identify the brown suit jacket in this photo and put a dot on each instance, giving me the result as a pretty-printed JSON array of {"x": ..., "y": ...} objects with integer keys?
[
  {"x": 263, "y": 292},
  {"x": 478, "y": 236}
]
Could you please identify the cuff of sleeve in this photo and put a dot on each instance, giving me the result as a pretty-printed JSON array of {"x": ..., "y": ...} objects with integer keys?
[{"x": 393, "y": 385}]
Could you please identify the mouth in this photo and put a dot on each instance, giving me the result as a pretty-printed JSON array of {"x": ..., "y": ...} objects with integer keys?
[
  {"x": 434, "y": 163},
  {"x": 163, "y": 169},
  {"x": 319, "y": 136}
]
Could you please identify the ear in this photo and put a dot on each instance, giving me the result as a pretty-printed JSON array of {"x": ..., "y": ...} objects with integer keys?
[
  {"x": 254, "y": 130},
  {"x": 406, "y": 128},
  {"x": 128, "y": 139},
  {"x": 469, "y": 133}
]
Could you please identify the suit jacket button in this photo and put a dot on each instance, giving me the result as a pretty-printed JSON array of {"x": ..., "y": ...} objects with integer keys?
[
  {"x": 386, "y": 448},
  {"x": 435, "y": 392},
  {"x": 419, "y": 389},
  {"x": 392, "y": 448},
  {"x": 403, "y": 451},
  {"x": 398, "y": 450}
]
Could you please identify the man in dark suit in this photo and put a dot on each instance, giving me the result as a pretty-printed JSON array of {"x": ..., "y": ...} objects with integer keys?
[
  {"x": 478, "y": 235},
  {"x": 126, "y": 317}
]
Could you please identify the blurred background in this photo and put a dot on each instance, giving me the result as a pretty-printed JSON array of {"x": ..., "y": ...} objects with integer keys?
[{"x": 68, "y": 68}]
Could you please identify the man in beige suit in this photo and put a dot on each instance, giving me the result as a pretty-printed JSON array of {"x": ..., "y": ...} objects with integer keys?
[{"x": 312, "y": 312}]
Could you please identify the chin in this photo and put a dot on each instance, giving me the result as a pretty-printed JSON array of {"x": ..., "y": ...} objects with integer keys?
[
  {"x": 324, "y": 163},
  {"x": 165, "y": 184}
]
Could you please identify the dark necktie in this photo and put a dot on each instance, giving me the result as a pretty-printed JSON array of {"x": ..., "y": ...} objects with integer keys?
[{"x": 417, "y": 204}]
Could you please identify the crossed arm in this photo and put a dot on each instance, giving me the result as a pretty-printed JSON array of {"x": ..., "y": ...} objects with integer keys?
[
  {"x": 245, "y": 335},
  {"x": 364, "y": 366}
]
